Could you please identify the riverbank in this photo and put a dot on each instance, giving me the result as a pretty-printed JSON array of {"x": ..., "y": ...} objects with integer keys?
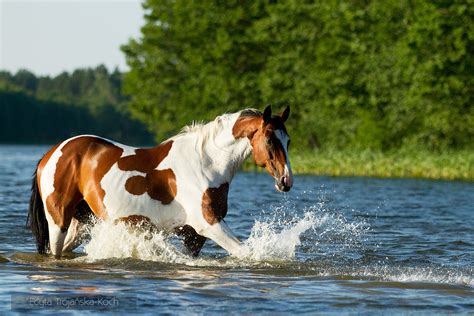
[{"x": 450, "y": 165}]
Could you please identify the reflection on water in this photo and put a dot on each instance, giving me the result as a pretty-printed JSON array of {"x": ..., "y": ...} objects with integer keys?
[{"x": 354, "y": 244}]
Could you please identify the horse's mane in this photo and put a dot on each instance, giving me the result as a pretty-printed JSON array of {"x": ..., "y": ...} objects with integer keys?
[{"x": 208, "y": 131}]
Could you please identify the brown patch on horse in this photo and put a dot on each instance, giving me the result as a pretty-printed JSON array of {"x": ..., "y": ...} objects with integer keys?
[
  {"x": 136, "y": 185},
  {"x": 192, "y": 240},
  {"x": 159, "y": 184},
  {"x": 162, "y": 185},
  {"x": 83, "y": 163},
  {"x": 246, "y": 126},
  {"x": 137, "y": 221},
  {"x": 100, "y": 157},
  {"x": 214, "y": 203},
  {"x": 145, "y": 159}
]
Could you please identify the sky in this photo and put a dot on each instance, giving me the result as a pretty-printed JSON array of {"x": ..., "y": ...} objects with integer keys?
[{"x": 49, "y": 37}]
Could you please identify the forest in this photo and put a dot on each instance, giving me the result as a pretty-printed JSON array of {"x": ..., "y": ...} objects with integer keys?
[
  {"x": 358, "y": 74},
  {"x": 45, "y": 110}
]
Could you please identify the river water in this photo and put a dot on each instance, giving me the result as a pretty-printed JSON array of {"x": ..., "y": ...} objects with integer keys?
[{"x": 350, "y": 245}]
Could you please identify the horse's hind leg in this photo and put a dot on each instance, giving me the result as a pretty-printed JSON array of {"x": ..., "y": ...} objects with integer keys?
[{"x": 59, "y": 219}]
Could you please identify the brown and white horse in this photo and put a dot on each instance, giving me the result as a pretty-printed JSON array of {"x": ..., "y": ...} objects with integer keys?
[{"x": 180, "y": 185}]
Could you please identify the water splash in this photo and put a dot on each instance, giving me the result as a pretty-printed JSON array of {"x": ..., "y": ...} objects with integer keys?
[
  {"x": 271, "y": 240},
  {"x": 109, "y": 240},
  {"x": 277, "y": 238},
  {"x": 267, "y": 243}
]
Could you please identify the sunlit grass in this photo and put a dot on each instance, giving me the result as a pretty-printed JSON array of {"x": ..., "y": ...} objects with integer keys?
[{"x": 396, "y": 164}]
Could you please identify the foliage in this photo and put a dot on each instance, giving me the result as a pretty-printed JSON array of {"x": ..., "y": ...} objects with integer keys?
[
  {"x": 358, "y": 74},
  {"x": 453, "y": 165},
  {"x": 45, "y": 110}
]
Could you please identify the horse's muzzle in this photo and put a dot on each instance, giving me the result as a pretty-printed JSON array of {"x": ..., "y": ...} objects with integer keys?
[{"x": 284, "y": 184}]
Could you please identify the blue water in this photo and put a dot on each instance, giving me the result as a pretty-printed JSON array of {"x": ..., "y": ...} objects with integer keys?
[{"x": 349, "y": 245}]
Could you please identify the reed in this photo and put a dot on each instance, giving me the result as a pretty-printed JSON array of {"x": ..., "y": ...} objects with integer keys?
[{"x": 449, "y": 165}]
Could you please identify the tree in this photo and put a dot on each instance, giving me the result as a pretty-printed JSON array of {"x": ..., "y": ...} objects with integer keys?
[{"x": 358, "y": 74}]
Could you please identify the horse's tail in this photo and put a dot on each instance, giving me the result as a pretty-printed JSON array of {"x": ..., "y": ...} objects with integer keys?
[{"x": 37, "y": 219}]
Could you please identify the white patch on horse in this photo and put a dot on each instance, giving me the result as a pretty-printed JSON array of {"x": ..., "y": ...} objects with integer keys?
[
  {"x": 127, "y": 150},
  {"x": 56, "y": 236},
  {"x": 284, "y": 140}
]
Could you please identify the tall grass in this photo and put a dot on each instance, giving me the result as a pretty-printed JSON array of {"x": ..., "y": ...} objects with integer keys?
[{"x": 396, "y": 164}]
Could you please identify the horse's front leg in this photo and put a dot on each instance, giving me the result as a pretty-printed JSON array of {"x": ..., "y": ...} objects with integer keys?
[{"x": 223, "y": 236}]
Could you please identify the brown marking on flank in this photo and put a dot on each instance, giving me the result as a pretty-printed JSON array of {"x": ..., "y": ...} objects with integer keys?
[
  {"x": 101, "y": 156},
  {"x": 137, "y": 221},
  {"x": 136, "y": 185},
  {"x": 162, "y": 185},
  {"x": 214, "y": 203},
  {"x": 145, "y": 159},
  {"x": 192, "y": 240},
  {"x": 159, "y": 184},
  {"x": 83, "y": 163}
]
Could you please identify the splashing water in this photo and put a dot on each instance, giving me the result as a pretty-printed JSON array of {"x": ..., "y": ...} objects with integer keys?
[
  {"x": 275, "y": 239},
  {"x": 109, "y": 240},
  {"x": 266, "y": 243}
]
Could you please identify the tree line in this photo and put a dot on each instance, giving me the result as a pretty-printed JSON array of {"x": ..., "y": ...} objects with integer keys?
[
  {"x": 49, "y": 109},
  {"x": 358, "y": 73}
]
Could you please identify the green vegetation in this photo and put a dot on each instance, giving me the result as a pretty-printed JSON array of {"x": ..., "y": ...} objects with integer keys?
[
  {"x": 47, "y": 110},
  {"x": 358, "y": 74},
  {"x": 380, "y": 88},
  {"x": 394, "y": 164}
]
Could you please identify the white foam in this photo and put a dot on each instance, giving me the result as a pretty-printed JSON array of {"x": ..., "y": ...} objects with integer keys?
[
  {"x": 110, "y": 240},
  {"x": 267, "y": 242}
]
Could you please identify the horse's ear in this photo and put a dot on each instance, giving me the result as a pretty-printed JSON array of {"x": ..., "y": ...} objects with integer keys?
[
  {"x": 284, "y": 115},
  {"x": 267, "y": 114}
]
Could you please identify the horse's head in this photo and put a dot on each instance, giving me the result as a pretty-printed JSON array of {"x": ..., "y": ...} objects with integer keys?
[{"x": 270, "y": 148}]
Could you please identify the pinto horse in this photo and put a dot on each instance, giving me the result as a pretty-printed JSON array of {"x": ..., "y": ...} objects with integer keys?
[{"x": 181, "y": 185}]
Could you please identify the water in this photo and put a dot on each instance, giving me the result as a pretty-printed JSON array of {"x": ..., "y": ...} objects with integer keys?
[{"x": 347, "y": 245}]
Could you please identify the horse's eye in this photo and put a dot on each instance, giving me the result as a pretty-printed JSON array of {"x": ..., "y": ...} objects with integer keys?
[{"x": 269, "y": 141}]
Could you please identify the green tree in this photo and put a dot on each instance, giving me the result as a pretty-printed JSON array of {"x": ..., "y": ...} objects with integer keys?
[{"x": 360, "y": 74}]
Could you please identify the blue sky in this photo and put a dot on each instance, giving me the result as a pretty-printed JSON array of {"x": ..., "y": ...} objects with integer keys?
[{"x": 48, "y": 37}]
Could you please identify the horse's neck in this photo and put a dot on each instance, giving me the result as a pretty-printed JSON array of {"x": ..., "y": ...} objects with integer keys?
[{"x": 222, "y": 154}]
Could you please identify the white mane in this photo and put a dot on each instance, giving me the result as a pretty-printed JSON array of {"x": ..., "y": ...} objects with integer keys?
[
  {"x": 209, "y": 130},
  {"x": 206, "y": 133},
  {"x": 202, "y": 130}
]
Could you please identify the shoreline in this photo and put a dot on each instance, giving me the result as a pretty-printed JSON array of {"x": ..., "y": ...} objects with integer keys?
[{"x": 404, "y": 164}]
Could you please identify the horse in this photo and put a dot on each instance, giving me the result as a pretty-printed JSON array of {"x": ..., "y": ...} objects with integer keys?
[{"x": 180, "y": 186}]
